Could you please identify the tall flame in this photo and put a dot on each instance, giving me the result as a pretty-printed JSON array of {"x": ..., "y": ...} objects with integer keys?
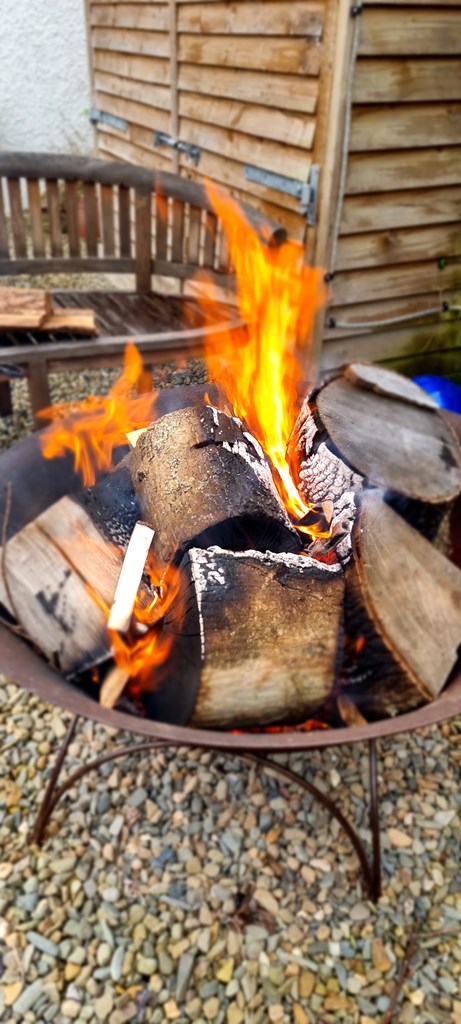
[
  {"x": 93, "y": 428},
  {"x": 278, "y": 297}
]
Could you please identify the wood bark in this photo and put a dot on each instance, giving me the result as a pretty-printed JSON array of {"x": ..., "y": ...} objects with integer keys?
[
  {"x": 201, "y": 479},
  {"x": 403, "y": 615},
  {"x": 256, "y": 640},
  {"x": 26, "y": 308}
]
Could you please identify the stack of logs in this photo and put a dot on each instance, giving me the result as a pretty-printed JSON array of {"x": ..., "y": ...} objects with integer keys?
[{"x": 361, "y": 625}]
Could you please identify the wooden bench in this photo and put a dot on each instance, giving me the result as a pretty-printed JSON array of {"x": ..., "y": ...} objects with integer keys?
[{"x": 75, "y": 215}]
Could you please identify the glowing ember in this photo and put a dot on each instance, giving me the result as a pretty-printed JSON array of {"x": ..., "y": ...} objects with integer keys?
[
  {"x": 278, "y": 297},
  {"x": 93, "y": 428}
]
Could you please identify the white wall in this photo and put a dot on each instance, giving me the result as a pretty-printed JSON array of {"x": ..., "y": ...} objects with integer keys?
[{"x": 44, "y": 84}]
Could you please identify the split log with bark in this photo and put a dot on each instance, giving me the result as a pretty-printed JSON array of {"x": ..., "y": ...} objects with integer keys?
[
  {"x": 201, "y": 479},
  {"x": 370, "y": 426},
  {"x": 257, "y": 639},
  {"x": 403, "y": 615}
]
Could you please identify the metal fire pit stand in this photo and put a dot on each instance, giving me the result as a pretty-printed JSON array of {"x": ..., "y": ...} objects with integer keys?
[
  {"x": 23, "y": 666},
  {"x": 371, "y": 870}
]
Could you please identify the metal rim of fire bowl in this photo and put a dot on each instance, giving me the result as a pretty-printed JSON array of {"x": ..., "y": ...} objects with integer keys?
[{"x": 21, "y": 665}]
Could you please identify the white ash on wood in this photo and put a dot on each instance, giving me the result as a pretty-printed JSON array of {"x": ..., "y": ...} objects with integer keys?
[
  {"x": 258, "y": 644},
  {"x": 403, "y": 614},
  {"x": 201, "y": 479}
]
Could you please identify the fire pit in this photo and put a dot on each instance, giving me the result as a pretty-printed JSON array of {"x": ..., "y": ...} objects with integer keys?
[{"x": 281, "y": 586}]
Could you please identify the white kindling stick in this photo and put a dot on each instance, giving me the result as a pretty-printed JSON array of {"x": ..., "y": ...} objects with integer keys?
[{"x": 130, "y": 578}]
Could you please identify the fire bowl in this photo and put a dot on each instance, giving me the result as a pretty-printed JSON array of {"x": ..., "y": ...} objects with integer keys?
[{"x": 25, "y": 668}]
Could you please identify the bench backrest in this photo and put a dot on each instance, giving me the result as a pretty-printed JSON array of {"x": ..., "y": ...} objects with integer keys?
[{"x": 68, "y": 214}]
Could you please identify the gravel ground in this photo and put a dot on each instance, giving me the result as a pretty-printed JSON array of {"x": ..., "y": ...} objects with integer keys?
[{"x": 130, "y": 910}]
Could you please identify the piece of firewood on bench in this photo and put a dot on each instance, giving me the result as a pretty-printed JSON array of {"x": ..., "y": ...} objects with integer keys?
[
  {"x": 403, "y": 614},
  {"x": 255, "y": 640},
  {"x": 24, "y": 308},
  {"x": 80, "y": 321}
]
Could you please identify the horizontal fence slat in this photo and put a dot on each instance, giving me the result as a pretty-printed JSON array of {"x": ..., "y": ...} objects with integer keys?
[
  {"x": 406, "y": 208},
  {"x": 153, "y": 17},
  {"x": 380, "y": 283},
  {"x": 67, "y": 265},
  {"x": 388, "y": 171},
  {"x": 137, "y": 113},
  {"x": 261, "y": 17},
  {"x": 131, "y": 41},
  {"x": 131, "y": 67},
  {"x": 279, "y": 158},
  {"x": 291, "y": 56},
  {"x": 249, "y": 119},
  {"x": 156, "y": 96},
  {"x": 390, "y": 247},
  {"x": 230, "y": 174},
  {"x": 382, "y": 309},
  {"x": 392, "y": 80},
  {"x": 404, "y": 126},
  {"x": 397, "y": 344},
  {"x": 435, "y": 31},
  {"x": 283, "y": 92}
]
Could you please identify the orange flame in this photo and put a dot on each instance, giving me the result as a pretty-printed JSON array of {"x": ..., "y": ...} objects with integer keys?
[
  {"x": 142, "y": 655},
  {"x": 93, "y": 428},
  {"x": 278, "y": 297}
]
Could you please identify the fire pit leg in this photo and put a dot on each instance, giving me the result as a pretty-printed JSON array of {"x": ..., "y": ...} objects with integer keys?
[
  {"x": 374, "y": 822},
  {"x": 46, "y": 807},
  {"x": 371, "y": 871}
]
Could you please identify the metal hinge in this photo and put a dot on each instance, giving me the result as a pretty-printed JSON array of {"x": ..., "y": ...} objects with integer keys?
[
  {"x": 163, "y": 139},
  {"x": 101, "y": 115},
  {"x": 305, "y": 191}
]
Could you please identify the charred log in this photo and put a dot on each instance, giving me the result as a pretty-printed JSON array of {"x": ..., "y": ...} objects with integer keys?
[
  {"x": 256, "y": 640},
  {"x": 403, "y": 615},
  {"x": 201, "y": 479}
]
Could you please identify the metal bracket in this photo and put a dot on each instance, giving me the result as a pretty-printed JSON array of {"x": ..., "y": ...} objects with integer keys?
[
  {"x": 305, "y": 191},
  {"x": 101, "y": 115},
  {"x": 163, "y": 139}
]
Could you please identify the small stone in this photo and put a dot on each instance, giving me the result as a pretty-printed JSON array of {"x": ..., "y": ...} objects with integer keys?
[
  {"x": 137, "y": 798},
  {"x": 104, "y": 954},
  {"x": 306, "y": 984},
  {"x": 111, "y": 894},
  {"x": 28, "y": 997},
  {"x": 171, "y": 1010},
  {"x": 70, "y": 1008},
  {"x": 299, "y": 1014},
  {"x": 266, "y": 900},
  {"x": 103, "y": 1005},
  {"x": 417, "y": 997},
  {"x": 354, "y": 984},
  {"x": 12, "y": 992},
  {"x": 63, "y": 865},
  {"x": 71, "y": 971},
  {"x": 193, "y": 866},
  {"x": 379, "y": 956},
  {"x": 165, "y": 963},
  {"x": 43, "y": 944},
  {"x": 116, "y": 964},
  {"x": 225, "y": 971},
  {"x": 359, "y": 912},
  {"x": 211, "y": 1008},
  {"x": 146, "y": 965},
  {"x": 398, "y": 838},
  {"x": 234, "y": 1014},
  {"x": 276, "y": 1013},
  {"x": 5, "y": 871},
  {"x": 123, "y": 1013},
  {"x": 185, "y": 968}
]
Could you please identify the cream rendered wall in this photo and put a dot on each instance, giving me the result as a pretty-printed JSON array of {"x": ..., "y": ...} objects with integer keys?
[{"x": 44, "y": 82}]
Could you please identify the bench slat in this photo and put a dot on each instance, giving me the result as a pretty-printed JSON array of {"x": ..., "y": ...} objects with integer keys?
[
  {"x": 124, "y": 223},
  {"x": 195, "y": 232},
  {"x": 177, "y": 249},
  {"x": 54, "y": 216},
  {"x": 161, "y": 226},
  {"x": 4, "y": 246},
  {"x": 35, "y": 216},
  {"x": 143, "y": 257},
  {"x": 72, "y": 204},
  {"x": 17, "y": 218},
  {"x": 107, "y": 212},
  {"x": 91, "y": 218},
  {"x": 211, "y": 231}
]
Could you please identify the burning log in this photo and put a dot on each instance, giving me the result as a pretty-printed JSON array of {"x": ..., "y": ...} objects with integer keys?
[
  {"x": 201, "y": 479},
  {"x": 258, "y": 644},
  {"x": 59, "y": 573},
  {"x": 372, "y": 426},
  {"x": 403, "y": 622}
]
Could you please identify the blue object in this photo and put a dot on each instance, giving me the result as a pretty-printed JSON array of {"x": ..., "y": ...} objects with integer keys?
[{"x": 443, "y": 391}]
